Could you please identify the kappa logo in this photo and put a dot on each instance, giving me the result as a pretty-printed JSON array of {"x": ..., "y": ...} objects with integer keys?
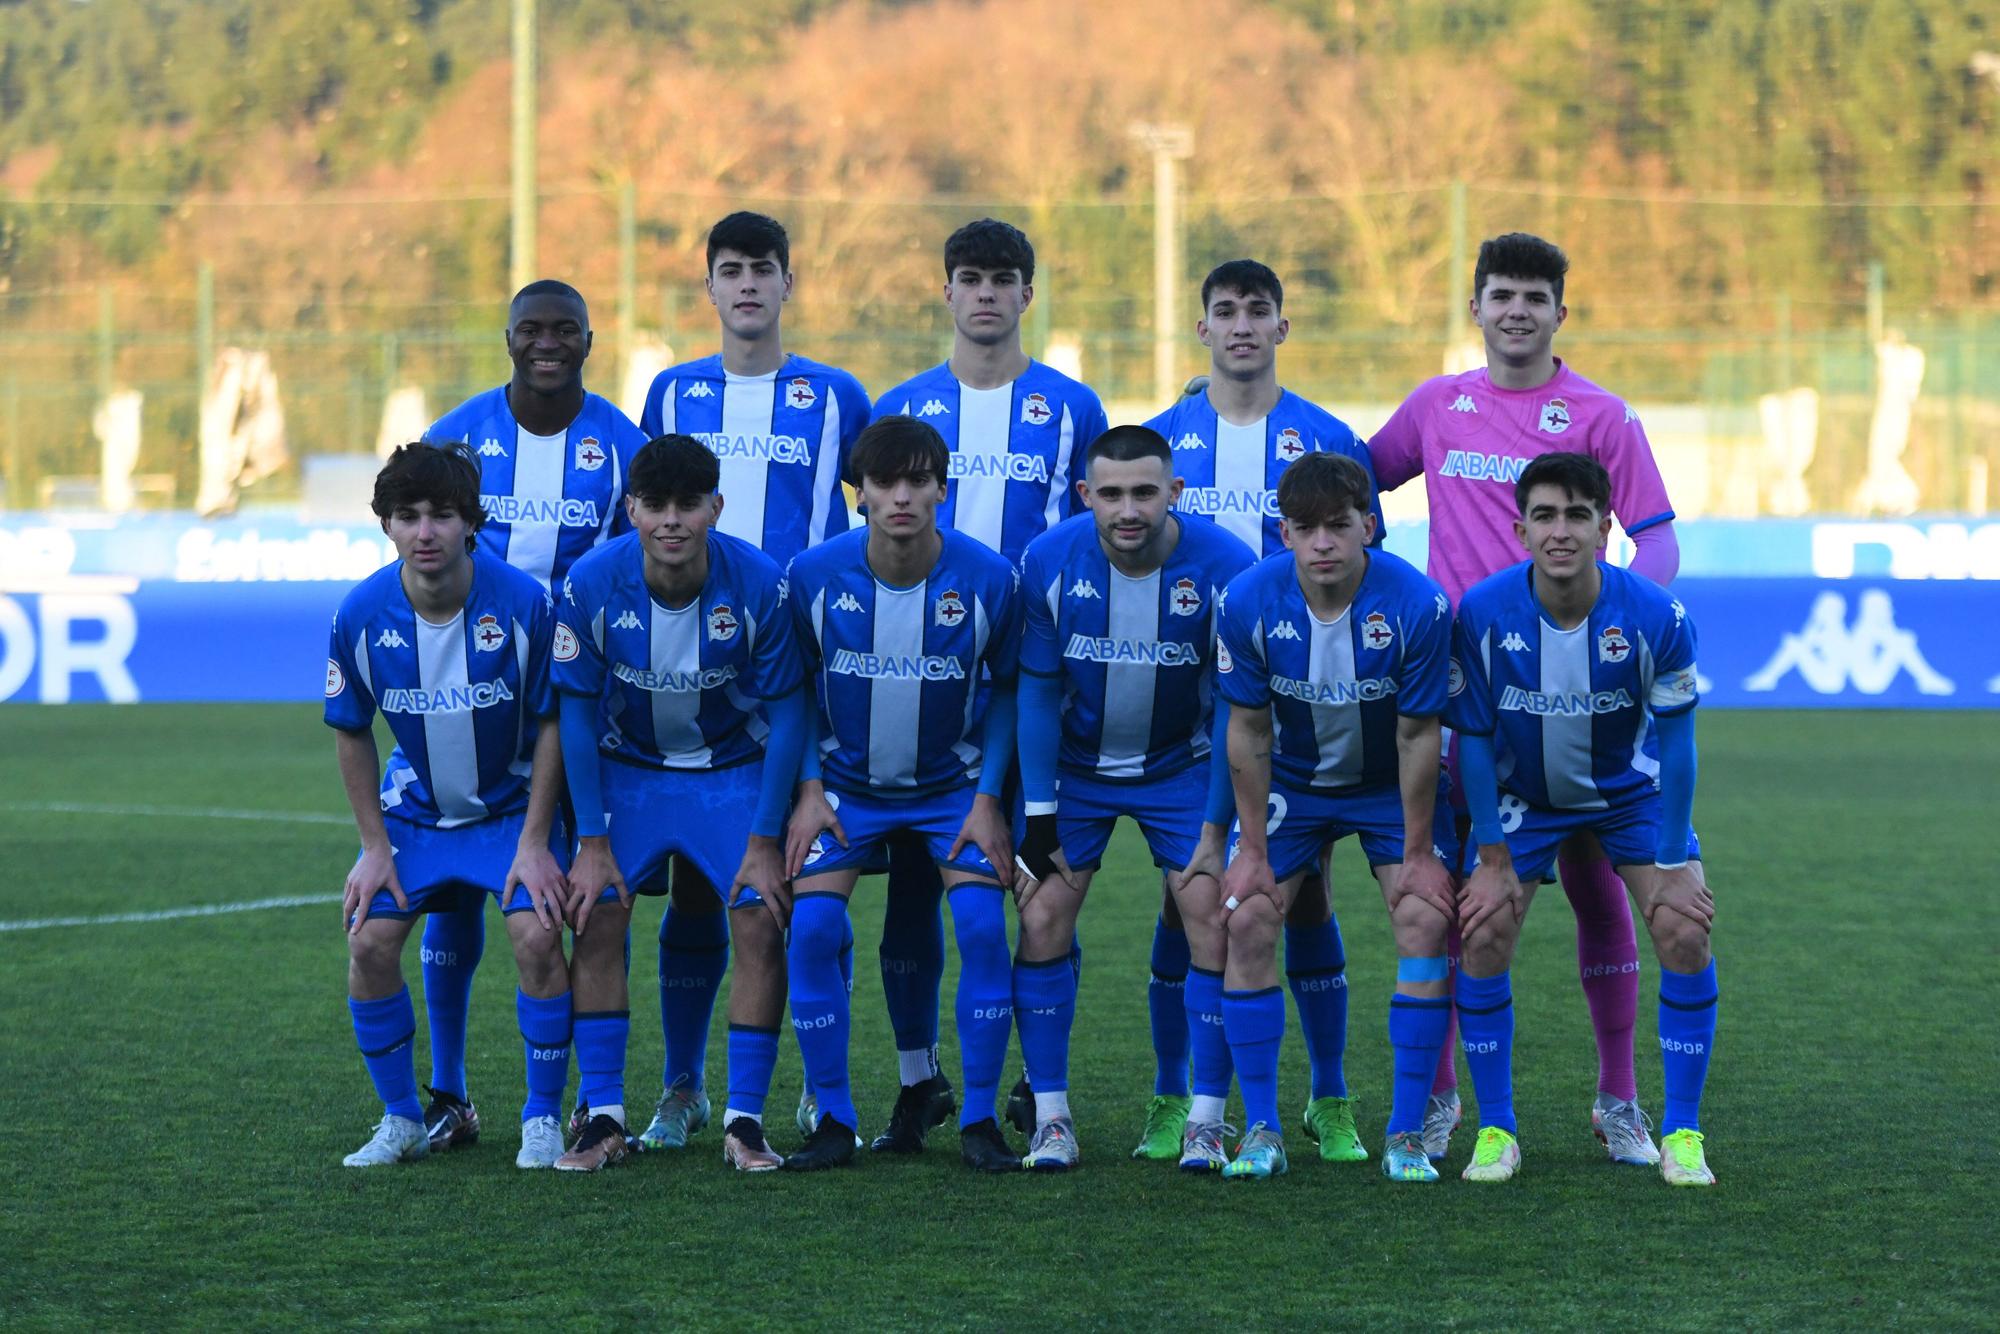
[
  {"x": 1833, "y": 656},
  {"x": 699, "y": 389},
  {"x": 1630, "y": 415},
  {"x": 1680, "y": 612},
  {"x": 590, "y": 455},
  {"x": 1513, "y": 643},
  {"x": 1464, "y": 403},
  {"x": 1184, "y": 599},
  {"x": 1190, "y": 441},
  {"x": 1375, "y": 631},
  {"x": 569, "y": 591},
  {"x": 391, "y": 639},
  {"x": 628, "y": 621},
  {"x": 722, "y": 622},
  {"x": 565, "y": 646},
  {"x": 1612, "y": 646},
  {"x": 934, "y": 408},
  {"x": 492, "y": 449},
  {"x": 1035, "y": 410},
  {"x": 336, "y": 681},
  {"x": 1289, "y": 446},
  {"x": 1555, "y": 416},
  {"x": 847, "y": 602},
  {"x": 950, "y": 609},
  {"x": 1284, "y": 630},
  {"x": 1083, "y": 588},
  {"x": 799, "y": 394},
  {"x": 1444, "y": 607},
  {"x": 486, "y": 633}
]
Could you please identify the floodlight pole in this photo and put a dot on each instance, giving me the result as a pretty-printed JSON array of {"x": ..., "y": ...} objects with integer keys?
[
  {"x": 1169, "y": 145},
  {"x": 521, "y": 266}
]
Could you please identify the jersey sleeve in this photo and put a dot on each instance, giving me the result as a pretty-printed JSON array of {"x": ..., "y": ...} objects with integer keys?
[
  {"x": 1041, "y": 650},
  {"x": 626, "y": 442},
  {"x": 1675, "y": 686},
  {"x": 1468, "y": 692},
  {"x": 576, "y": 654},
  {"x": 1003, "y": 641},
  {"x": 1241, "y": 675},
  {"x": 1091, "y": 423},
  {"x": 775, "y": 665},
  {"x": 539, "y": 685},
  {"x": 652, "y": 415},
  {"x": 1426, "y": 677},
  {"x": 1397, "y": 450},
  {"x": 800, "y": 591},
  {"x": 1638, "y": 493},
  {"x": 1355, "y": 448},
  {"x": 350, "y": 705}
]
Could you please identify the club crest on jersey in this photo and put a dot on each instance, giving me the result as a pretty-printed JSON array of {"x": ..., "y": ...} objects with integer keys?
[
  {"x": 335, "y": 680},
  {"x": 1612, "y": 646},
  {"x": 1375, "y": 631},
  {"x": 1184, "y": 599},
  {"x": 1035, "y": 410},
  {"x": 1555, "y": 416},
  {"x": 1289, "y": 446},
  {"x": 565, "y": 646},
  {"x": 799, "y": 394},
  {"x": 950, "y": 609},
  {"x": 628, "y": 621},
  {"x": 486, "y": 633},
  {"x": 590, "y": 455},
  {"x": 722, "y": 622},
  {"x": 1455, "y": 682}
]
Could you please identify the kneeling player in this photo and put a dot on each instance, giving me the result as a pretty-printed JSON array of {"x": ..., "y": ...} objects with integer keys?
[
  {"x": 1334, "y": 663},
  {"x": 670, "y": 639},
  {"x": 1115, "y": 689},
  {"x": 901, "y": 621},
  {"x": 1576, "y": 681},
  {"x": 452, "y": 645}
]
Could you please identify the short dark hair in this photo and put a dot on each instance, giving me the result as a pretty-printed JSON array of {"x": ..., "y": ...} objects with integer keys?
[
  {"x": 1321, "y": 485},
  {"x": 446, "y": 474},
  {"x": 1519, "y": 255},
  {"x": 988, "y": 243},
  {"x": 1246, "y": 277},
  {"x": 752, "y": 235},
  {"x": 1580, "y": 476},
  {"x": 1123, "y": 444},
  {"x": 674, "y": 467},
  {"x": 893, "y": 447},
  {"x": 548, "y": 287}
]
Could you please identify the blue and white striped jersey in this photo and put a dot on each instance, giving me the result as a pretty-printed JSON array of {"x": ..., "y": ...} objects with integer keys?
[
  {"x": 1335, "y": 688},
  {"x": 677, "y": 688},
  {"x": 782, "y": 439},
  {"x": 1016, "y": 451},
  {"x": 1571, "y": 710},
  {"x": 1134, "y": 655},
  {"x": 548, "y": 498},
  {"x": 899, "y": 670},
  {"x": 1232, "y": 471},
  {"x": 463, "y": 699}
]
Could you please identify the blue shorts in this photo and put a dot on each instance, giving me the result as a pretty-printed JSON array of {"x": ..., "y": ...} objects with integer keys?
[
  {"x": 1168, "y": 812},
  {"x": 1303, "y": 822},
  {"x": 703, "y": 815},
  {"x": 871, "y": 820},
  {"x": 1630, "y": 833},
  {"x": 446, "y": 870}
]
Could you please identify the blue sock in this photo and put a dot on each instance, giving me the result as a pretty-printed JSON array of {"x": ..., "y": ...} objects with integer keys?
[
  {"x": 847, "y": 952},
  {"x": 545, "y": 1047},
  {"x": 453, "y": 942},
  {"x": 913, "y": 945},
  {"x": 384, "y": 1030},
  {"x": 985, "y": 997},
  {"x": 694, "y": 955},
  {"x": 1213, "y": 1068},
  {"x": 1166, "y": 1007},
  {"x": 600, "y": 1056},
  {"x": 1416, "y": 1032},
  {"x": 1687, "y": 1037},
  {"x": 820, "y": 1015},
  {"x": 1045, "y": 1011},
  {"x": 1316, "y": 968},
  {"x": 1254, "y": 1023},
  {"x": 1486, "y": 1027},
  {"x": 753, "y": 1054}
]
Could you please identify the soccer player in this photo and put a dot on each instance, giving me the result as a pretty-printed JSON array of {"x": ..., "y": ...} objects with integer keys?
[
  {"x": 1116, "y": 681},
  {"x": 913, "y": 635},
  {"x": 1334, "y": 663},
  {"x": 1016, "y": 431},
  {"x": 1469, "y": 436},
  {"x": 780, "y": 426},
  {"x": 552, "y": 461},
  {"x": 1576, "y": 712},
  {"x": 452, "y": 645},
  {"x": 1233, "y": 438},
  {"x": 683, "y": 715}
]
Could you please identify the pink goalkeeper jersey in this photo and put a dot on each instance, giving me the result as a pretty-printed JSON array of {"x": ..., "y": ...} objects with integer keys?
[{"x": 1470, "y": 439}]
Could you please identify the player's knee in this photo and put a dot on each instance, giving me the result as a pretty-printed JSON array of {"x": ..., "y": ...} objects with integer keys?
[
  {"x": 374, "y": 954},
  {"x": 1680, "y": 941},
  {"x": 1488, "y": 950},
  {"x": 819, "y": 927},
  {"x": 538, "y": 953},
  {"x": 1421, "y": 928},
  {"x": 980, "y": 925},
  {"x": 754, "y": 935},
  {"x": 1254, "y": 926}
]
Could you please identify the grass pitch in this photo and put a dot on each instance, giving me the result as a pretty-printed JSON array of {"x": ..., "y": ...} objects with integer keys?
[{"x": 177, "y": 1094}]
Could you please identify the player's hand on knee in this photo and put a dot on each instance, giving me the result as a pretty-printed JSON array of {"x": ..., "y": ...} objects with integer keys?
[
  {"x": 1682, "y": 889},
  {"x": 985, "y": 828},
  {"x": 595, "y": 868},
  {"x": 375, "y": 870},
  {"x": 1424, "y": 877},
  {"x": 812, "y": 815},
  {"x": 1039, "y": 859},
  {"x": 763, "y": 870},
  {"x": 1248, "y": 877},
  {"x": 535, "y": 870},
  {"x": 1493, "y": 889},
  {"x": 1207, "y": 859}
]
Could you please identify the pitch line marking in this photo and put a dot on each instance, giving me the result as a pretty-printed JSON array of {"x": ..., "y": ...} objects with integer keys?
[
  {"x": 171, "y": 914},
  {"x": 173, "y": 812}
]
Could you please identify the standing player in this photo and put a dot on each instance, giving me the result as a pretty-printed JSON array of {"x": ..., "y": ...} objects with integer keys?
[
  {"x": 1016, "y": 431},
  {"x": 452, "y": 645},
  {"x": 552, "y": 461},
  {"x": 1115, "y": 702},
  {"x": 780, "y": 426},
  {"x": 1469, "y": 436},
  {"x": 1577, "y": 713},
  {"x": 1232, "y": 441},
  {"x": 1334, "y": 662},
  {"x": 913, "y": 634},
  {"x": 674, "y": 648}
]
